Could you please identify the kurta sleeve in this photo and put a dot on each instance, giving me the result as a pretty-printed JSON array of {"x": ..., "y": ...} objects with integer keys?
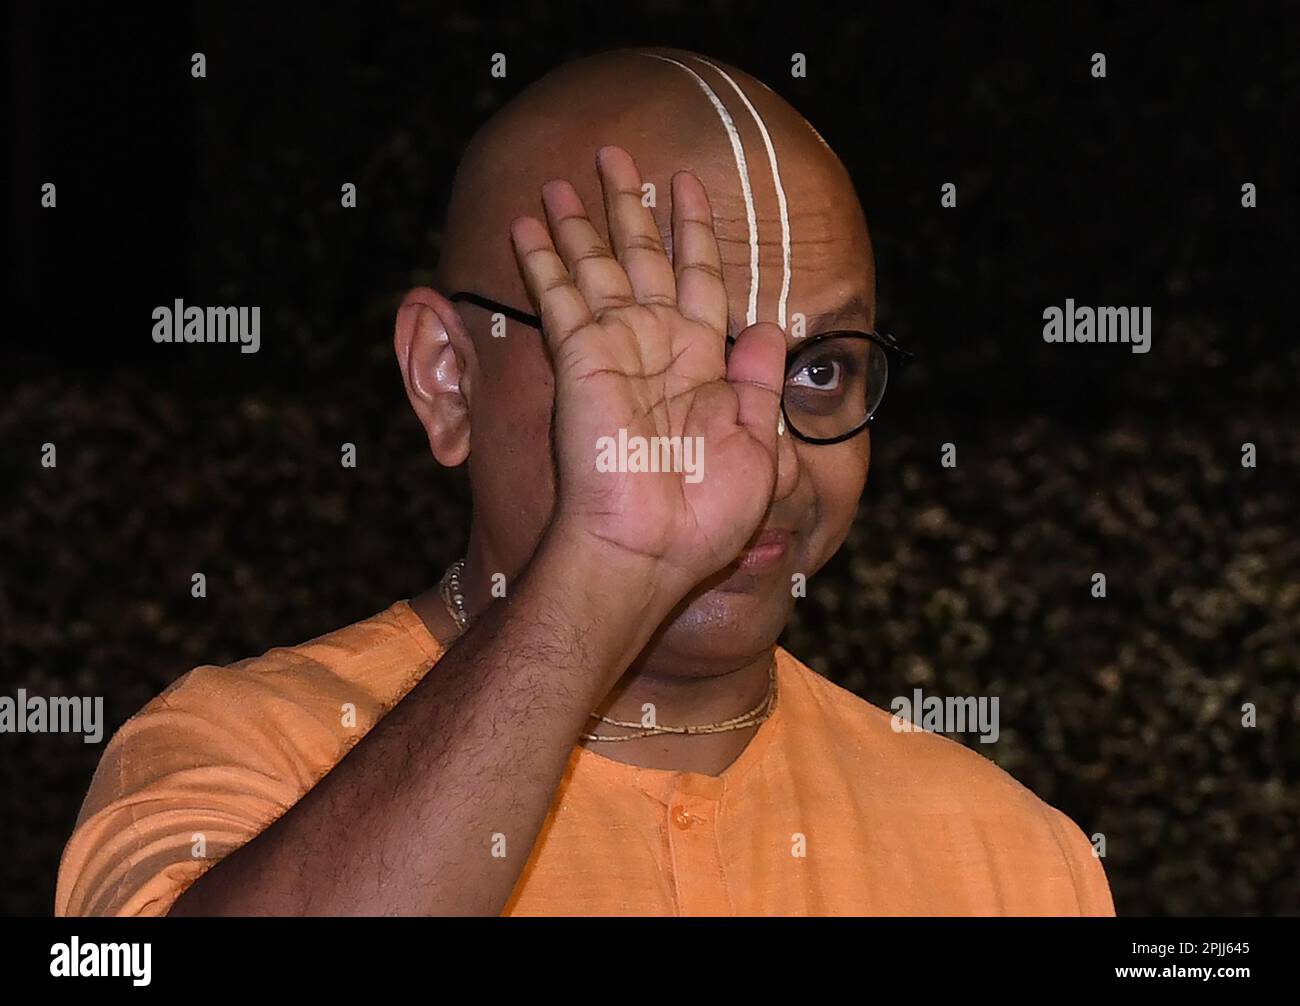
[
  {"x": 193, "y": 776},
  {"x": 1085, "y": 866}
]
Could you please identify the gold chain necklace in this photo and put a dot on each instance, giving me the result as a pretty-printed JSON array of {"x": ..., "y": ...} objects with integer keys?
[{"x": 454, "y": 598}]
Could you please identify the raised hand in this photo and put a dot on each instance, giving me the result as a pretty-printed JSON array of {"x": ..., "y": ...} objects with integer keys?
[{"x": 638, "y": 343}]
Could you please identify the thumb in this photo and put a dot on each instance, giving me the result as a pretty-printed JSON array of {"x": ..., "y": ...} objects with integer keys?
[{"x": 756, "y": 370}]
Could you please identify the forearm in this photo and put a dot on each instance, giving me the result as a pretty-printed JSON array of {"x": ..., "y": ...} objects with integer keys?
[{"x": 436, "y": 810}]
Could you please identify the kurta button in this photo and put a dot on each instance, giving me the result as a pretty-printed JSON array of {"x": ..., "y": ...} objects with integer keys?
[{"x": 681, "y": 817}]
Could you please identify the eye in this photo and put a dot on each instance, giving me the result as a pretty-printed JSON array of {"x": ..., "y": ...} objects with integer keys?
[
  {"x": 825, "y": 372},
  {"x": 820, "y": 374}
]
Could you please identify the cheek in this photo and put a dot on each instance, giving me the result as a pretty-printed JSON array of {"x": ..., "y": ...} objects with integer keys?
[
  {"x": 838, "y": 474},
  {"x": 510, "y": 456}
]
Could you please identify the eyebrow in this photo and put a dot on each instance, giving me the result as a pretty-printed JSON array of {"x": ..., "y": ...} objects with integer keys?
[{"x": 853, "y": 309}]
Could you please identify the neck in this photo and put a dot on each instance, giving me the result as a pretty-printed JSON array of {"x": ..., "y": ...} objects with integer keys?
[
  {"x": 707, "y": 696},
  {"x": 682, "y": 701}
]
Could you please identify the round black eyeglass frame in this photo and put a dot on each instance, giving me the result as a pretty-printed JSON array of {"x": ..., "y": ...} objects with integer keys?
[{"x": 895, "y": 355}]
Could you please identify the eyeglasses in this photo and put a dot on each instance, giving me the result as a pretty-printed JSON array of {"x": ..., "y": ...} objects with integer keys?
[{"x": 834, "y": 382}]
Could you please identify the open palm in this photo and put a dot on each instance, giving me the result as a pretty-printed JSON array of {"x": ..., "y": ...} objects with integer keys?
[{"x": 638, "y": 344}]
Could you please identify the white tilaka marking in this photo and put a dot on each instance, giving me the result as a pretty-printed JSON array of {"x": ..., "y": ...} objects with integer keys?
[
  {"x": 751, "y": 314},
  {"x": 780, "y": 189}
]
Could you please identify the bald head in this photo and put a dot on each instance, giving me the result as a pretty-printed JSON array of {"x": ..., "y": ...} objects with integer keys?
[{"x": 783, "y": 204}]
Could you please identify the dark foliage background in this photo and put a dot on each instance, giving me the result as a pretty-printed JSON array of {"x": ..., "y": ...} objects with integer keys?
[{"x": 1124, "y": 712}]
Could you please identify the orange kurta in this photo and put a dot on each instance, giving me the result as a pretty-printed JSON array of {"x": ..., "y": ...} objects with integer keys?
[{"x": 827, "y": 811}]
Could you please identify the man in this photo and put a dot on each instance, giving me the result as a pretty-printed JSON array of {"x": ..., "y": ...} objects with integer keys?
[{"x": 651, "y": 475}]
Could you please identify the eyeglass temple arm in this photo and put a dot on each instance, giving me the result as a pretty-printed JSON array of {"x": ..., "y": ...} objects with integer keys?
[
  {"x": 514, "y": 314},
  {"x": 532, "y": 321}
]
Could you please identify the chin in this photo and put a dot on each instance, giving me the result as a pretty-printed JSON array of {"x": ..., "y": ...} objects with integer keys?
[{"x": 722, "y": 625}]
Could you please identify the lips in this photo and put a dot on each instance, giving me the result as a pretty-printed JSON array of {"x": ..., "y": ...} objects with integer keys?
[{"x": 766, "y": 551}]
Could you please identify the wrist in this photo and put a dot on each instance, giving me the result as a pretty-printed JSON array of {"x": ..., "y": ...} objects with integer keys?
[
  {"x": 645, "y": 578},
  {"x": 617, "y": 597}
]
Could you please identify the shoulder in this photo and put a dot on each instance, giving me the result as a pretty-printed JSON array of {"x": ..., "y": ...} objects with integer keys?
[
  {"x": 888, "y": 749},
  {"x": 935, "y": 787},
  {"x": 369, "y": 664},
  {"x": 288, "y": 714}
]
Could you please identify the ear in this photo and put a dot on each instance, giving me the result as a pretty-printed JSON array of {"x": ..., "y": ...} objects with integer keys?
[{"x": 436, "y": 357}]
